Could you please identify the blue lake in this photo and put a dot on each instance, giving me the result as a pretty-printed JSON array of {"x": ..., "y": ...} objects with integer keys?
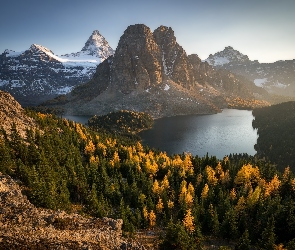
[{"x": 219, "y": 134}]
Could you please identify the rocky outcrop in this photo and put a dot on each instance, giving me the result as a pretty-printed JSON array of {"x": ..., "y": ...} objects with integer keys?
[
  {"x": 37, "y": 74},
  {"x": 23, "y": 226},
  {"x": 137, "y": 61},
  {"x": 11, "y": 113},
  {"x": 150, "y": 72}
]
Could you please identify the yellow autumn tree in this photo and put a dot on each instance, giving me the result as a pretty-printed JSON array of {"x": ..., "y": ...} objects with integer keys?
[
  {"x": 94, "y": 159},
  {"x": 115, "y": 162},
  {"x": 188, "y": 221},
  {"x": 247, "y": 174},
  {"x": 293, "y": 184},
  {"x": 156, "y": 187},
  {"x": 205, "y": 191},
  {"x": 152, "y": 218},
  {"x": 170, "y": 204},
  {"x": 210, "y": 174},
  {"x": 272, "y": 186},
  {"x": 102, "y": 148},
  {"x": 145, "y": 213},
  {"x": 233, "y": 194},
  {"x": 165, "y": 183},
  {"x": 89, "y": 148},
  {"x": 160, "y": 206}
]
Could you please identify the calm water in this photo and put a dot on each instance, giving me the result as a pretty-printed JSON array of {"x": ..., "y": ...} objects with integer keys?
[
  {"x": 220, "y": 134},
  {"x": 77, "y": 118}
]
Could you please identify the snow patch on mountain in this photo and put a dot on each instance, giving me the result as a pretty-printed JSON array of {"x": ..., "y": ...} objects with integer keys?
[{"x": 260, "y": 82}]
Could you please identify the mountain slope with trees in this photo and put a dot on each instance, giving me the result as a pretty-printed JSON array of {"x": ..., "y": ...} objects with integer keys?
[{"x": 64, "y": 165}]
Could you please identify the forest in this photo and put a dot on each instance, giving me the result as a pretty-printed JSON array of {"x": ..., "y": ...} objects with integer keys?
[
  {"x": 189, "y": 199},
  {"x": 276, "y": 131}
]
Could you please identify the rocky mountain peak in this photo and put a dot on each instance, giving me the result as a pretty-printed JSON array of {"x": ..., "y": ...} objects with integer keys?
[
  {"x": 39, "y": 48},
  {"x": 164, "y": 35},
  {"x": 136, "y": 64},
  {"x": 138, "y": 30},
  {"x": 227, "y": 55},
  {"x": 97, "y": 45}
]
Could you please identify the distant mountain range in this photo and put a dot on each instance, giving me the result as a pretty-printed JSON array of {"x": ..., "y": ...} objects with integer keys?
[
  {"x": 151, "y": 72},
  {"x": 37, "y": 74},
  {"x": 277, "y": 78}
]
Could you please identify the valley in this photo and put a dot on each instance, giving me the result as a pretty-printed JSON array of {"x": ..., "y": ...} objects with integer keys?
[{"x": 66, "y": 185}]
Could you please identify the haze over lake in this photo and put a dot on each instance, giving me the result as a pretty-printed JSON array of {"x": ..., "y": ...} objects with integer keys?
[{"x": 220, "y": 134}]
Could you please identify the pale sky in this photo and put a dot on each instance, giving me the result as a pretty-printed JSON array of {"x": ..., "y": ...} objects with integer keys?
[{"x": 262, "y": 29}]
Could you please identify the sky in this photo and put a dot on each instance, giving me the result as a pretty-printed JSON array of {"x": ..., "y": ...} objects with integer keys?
[{"x": 262, "y": 29}]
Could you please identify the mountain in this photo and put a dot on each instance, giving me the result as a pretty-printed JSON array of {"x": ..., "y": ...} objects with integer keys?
[
  {"x": 277, "y": 78},
  {"x": 151, "y": 72},
  {"x": 37, "y": 74}
]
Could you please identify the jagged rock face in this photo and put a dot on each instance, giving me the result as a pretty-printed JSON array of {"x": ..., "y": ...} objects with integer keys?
[
  {"x": 136, "y": 64},
  {"x": 276, "y": 78},
  {"x": 37, "y": 74},
  {"x": 175, "y": 62},
  {"x": 11, "y": 113}
]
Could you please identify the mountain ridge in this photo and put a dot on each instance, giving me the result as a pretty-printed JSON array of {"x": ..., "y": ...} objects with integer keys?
[
  {"x": 150, "y": 72},
  {"x": 37, "y": 74},
  {"x": 277, "y": 77}
]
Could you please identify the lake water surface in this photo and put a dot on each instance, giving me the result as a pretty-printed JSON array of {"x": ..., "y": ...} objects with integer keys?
[{"x": 219, "y": 134}]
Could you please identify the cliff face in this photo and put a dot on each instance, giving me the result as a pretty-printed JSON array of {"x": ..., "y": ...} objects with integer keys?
[
  {"x": 150, "y": 72},
  {"x": 136, "y": 64}
]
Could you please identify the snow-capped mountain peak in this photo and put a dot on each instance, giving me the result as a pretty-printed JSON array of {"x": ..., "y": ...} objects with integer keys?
[
  {"x": 95, "y": 50},
  {"x": 228, "y": 55},
  {"x": 37, "y": 74},
  {"x": 96, "y": 43}
]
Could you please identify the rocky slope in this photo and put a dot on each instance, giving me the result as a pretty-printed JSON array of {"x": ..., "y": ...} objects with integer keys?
[
  {"x": 11, "y": 113},
  {"x": 276, "y": 78},
  {"x": 37, "y": 74},
  {"x": 23, "y": 226},
  {"x": 151, "y": 72}
]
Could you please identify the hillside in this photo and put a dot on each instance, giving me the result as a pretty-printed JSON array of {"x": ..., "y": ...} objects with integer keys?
[
  {"x": 13, "y": 116},
  {"x": 193, "y": 202}
]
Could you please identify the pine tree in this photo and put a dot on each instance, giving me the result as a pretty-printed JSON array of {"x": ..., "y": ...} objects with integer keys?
[
  {"x": 268, "y": 237},
  {"x": 244, "y": 242}
]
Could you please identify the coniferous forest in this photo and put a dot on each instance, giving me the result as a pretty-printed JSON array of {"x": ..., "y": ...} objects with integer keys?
[
  {"x": 189, "y": 199},
  {"x": 276, "y": 130}
]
